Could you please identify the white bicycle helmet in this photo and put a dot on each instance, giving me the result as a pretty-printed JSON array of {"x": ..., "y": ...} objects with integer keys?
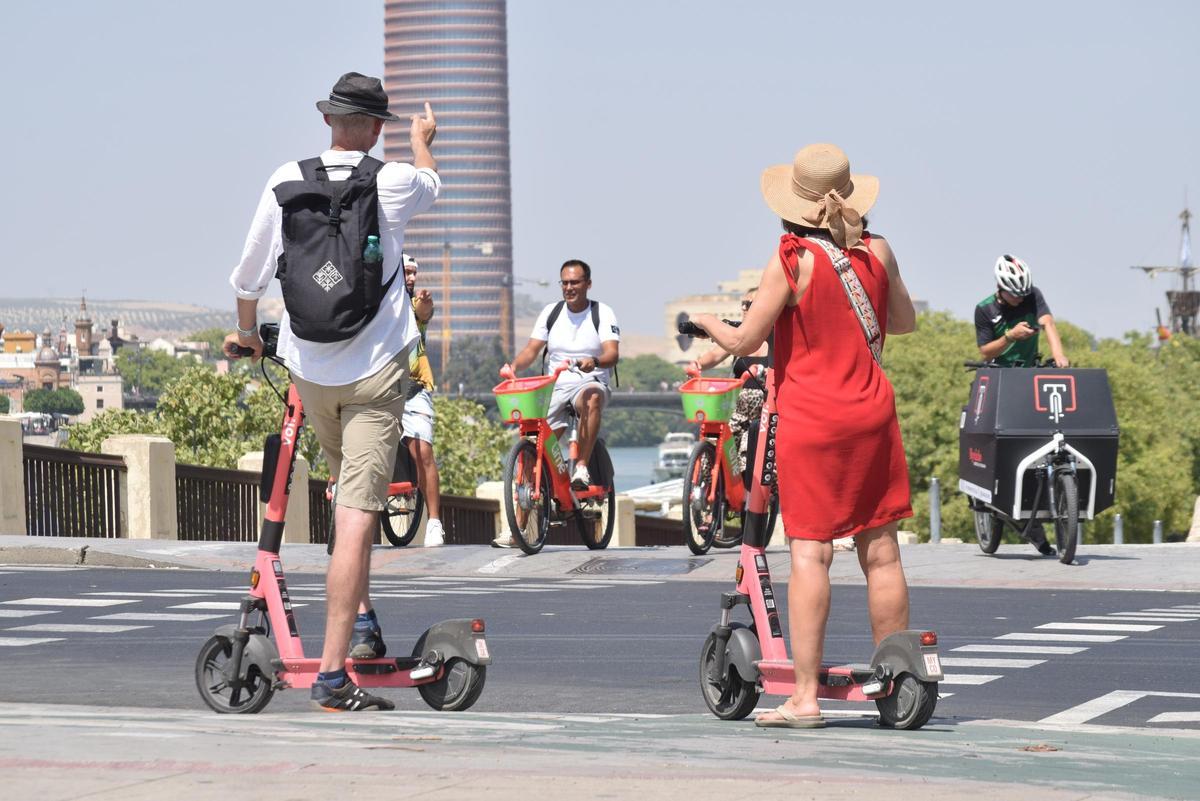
[{"x": 1013, "y": 275}]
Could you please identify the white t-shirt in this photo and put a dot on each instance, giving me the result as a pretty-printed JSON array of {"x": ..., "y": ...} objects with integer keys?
[
  {"x": 574, "y": 337},
  {"x": 403, "y": 192}
]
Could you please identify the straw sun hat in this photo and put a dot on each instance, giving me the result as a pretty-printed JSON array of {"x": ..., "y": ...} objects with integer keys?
[{"x": 817, "y": 190}]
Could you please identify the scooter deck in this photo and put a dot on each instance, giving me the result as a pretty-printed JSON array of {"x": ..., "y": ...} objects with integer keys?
[
  {"x": 842, "y": 682},
  {"x": 386, "y": 672}
]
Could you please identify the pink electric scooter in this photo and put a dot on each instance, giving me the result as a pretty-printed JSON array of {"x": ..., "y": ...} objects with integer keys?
[
  {"x": 740, "y": 662},
  {"x": 241, "y": 666}
]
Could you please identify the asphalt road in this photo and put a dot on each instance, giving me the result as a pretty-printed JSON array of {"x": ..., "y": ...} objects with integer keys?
[{"x": 610, "y": 645}]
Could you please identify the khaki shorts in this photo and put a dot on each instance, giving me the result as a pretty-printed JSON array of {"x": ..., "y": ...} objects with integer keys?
[{"x": 358, "y": 426}]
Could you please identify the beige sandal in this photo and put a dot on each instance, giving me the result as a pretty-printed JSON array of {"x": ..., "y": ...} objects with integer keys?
[{"x": 790, "y": 720}]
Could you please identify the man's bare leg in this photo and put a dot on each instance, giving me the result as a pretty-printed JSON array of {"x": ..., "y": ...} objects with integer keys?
[
  {"x": 427, "y": 475},
  {"x": 347, "y": 582},
  {"x": 589, "y": 404}
]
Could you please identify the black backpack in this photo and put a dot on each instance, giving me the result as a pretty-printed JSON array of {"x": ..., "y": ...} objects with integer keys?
[
  {"x": 555, "y": 312},
  {"x": 329, "y": 292}
]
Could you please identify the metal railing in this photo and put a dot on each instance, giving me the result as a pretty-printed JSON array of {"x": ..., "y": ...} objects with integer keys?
[
  {"x": 469, "y": 521},
  {"x": 72, "y": 494},
  {"x": 650, "y": 530},
  {"x": 215, "y": 504},
  {"x": 319, "y": 511}
]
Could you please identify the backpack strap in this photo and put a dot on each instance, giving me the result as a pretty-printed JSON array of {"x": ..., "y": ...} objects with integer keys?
[
  {"x": 551, "y": 319},
  {"x": 860, "y": 302}
]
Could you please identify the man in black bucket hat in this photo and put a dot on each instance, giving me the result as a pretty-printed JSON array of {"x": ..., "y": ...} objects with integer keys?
[{"x": 345, "y": 335}]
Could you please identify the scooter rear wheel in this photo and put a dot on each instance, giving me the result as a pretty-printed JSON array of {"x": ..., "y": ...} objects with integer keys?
[
  {"x": 212, "y": 680},
  {"x": 734, "y": 698},
  {"x": 458, "y": 689},
  {"x": 909, "y": 705}
]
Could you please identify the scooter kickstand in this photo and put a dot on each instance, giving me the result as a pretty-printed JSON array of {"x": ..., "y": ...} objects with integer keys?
[
  {"x": 428, "y": 667},
  {"x": 879, "y": 682}
]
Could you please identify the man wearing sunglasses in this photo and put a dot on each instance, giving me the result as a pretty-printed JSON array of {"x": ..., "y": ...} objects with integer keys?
[{"x": 585, "y": 332}]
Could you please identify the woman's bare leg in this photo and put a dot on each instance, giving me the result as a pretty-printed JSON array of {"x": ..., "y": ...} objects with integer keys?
[
  {"x": 887, "y": 590},
  {"x": 808, "y": 611}
]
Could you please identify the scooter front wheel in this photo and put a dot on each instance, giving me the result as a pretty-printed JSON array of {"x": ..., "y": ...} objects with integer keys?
[
  {"x": 226, "y": 694},
  {"x": 909, "y": 705},
  {"x": 733, "y": 698}
]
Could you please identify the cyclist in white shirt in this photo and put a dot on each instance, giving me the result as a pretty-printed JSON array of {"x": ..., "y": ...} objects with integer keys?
[{"x": 573, "y": 331}]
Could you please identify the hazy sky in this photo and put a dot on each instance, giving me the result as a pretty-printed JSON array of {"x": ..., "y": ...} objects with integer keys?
[{"x": 138, "y": 136}]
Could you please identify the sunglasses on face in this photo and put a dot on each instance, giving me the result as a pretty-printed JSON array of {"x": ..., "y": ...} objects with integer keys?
[{"x": 746, "y": 304}]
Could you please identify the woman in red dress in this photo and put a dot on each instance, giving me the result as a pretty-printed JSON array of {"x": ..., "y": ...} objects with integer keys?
[{"x": 841, "y": 465}]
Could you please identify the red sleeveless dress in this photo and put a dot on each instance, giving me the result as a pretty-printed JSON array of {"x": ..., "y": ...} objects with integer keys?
[{"x": 841, "y": 465}]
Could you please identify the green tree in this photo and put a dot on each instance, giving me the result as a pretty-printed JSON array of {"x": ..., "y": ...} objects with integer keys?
[
  {"x": 149, "y": 372},
  {"x": 469, "y": 446},
  {"x": 5, "y": 404},
  {"x": 647, "y": 373},
  {"x": 215, "y": 337},
  {"x": 53, "y": 401},
  {"x": 474, "y": 362}
]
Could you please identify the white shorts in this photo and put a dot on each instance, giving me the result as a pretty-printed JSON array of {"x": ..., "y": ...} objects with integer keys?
[
  {"x": 559, "y": 415},
  {"x": 417, "y": 422}
]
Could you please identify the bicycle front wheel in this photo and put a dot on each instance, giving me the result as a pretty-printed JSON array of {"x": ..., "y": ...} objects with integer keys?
[
  {"x": 703, "y": 499},
  {"x": 1066, "y": 516},
  {"x": 527, "y": 511}
]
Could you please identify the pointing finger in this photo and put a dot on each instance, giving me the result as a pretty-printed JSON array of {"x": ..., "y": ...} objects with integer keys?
[{"x": 428, "y": 111}]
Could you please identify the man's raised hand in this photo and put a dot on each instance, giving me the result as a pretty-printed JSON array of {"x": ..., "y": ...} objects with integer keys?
[{"x": 424, "y": 128}]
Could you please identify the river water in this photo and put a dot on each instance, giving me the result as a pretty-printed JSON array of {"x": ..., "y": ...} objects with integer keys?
[{"x": 634, "y": 467}]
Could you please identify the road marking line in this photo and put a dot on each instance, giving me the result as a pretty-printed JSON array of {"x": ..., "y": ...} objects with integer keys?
[
  {"x": 1132, "y": 627},
  {"x": 232, "y": 605},
  {"x": 496, "y": 565},
  {"x": 1020, "y": 649},
  {"x": 1179, "y": 610},
  {"x": 452, "y": 580},
  {"x": 163, "y": 594},
  {"x": 1105, "y": 704},
  {"x": 954, "y": 661},
  {"x": 1138, "y": 618},
  {"x": 180, "y": 617},
  {"x": 1176, "y": 717},
  {"x": 26, "y": 612},
  {"x": 1040, "y": 637},
  {"x": 968, "y": 678},
  {"x": 17, "y": 642},
  {"x": 69, "y": 602},
  {"x": 80, "y": 628}
]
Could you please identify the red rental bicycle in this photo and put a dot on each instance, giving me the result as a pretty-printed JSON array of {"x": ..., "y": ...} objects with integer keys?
[
  {"x": 242, "y": 665},
  {"x": 537, "y": 481}
]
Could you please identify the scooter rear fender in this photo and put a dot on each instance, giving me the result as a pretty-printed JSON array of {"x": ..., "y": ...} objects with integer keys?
[
  {"x": 454, "y": 638},
  {"x": 903, "y": 653},
  {"x": 743, "y": 651},
  {"x": 260, "y": 650}
]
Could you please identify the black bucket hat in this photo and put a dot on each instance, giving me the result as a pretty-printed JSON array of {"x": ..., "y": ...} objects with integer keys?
[{"x": 355, "y": 93}]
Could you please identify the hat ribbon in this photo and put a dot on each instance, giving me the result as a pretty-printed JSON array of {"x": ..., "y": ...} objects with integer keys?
[{"x": 831, "y": 211}]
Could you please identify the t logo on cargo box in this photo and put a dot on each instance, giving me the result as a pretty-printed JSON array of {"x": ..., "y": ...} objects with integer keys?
[{"x": 1054, "y": 394}]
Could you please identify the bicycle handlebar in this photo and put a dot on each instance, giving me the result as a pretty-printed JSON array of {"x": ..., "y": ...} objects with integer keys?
[{"x": 690, "y": 329}]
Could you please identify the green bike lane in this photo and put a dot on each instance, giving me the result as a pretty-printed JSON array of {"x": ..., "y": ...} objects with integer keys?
[{"x": 58, "y": 752}]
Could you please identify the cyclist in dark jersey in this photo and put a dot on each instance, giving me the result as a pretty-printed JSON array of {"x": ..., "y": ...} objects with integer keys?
[
  {"x": 1006, "y": 331},
  {"x": 1007, "y": 322}
]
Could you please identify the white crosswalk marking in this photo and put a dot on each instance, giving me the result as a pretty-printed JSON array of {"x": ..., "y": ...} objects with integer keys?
[
  {"x": 159, "y": 617},
  {"x": 1020, "y": 649},
  {"x": 228, "y": 605},
  {"x": 1173, "y": 611},
  {"x": 69, "y": 602},
  {"x": 76, "y": 628},
  {"x": 26, "y": 612},
  {"x": 1134, "y": 627},
  {"x": 163, "y": 594},
  {"x": 1041, "y": 637},
  {"x": 1176, "y": 717},
  {"x": 957, "y": 662},
  {"x": 18, "y": 642},
  {"x": 1138, "y": 618},
  {"x": 968, "y": 678}
]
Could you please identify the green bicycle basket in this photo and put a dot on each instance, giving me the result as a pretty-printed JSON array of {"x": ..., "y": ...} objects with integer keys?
[
  {"x": 709, "y": 399},
  {"x": 524, "y": 398}
]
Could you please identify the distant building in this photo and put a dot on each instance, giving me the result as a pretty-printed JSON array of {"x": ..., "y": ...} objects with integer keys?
[
  {"x": 455, "y": 55},
  {"x": 726, "y": 303},
  {"x": 100, "y": 393}
]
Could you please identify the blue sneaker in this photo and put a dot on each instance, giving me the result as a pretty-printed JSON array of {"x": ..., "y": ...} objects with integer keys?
[
  {"x": 367, "y": 644},
  {"x": 347, "y": 698}
]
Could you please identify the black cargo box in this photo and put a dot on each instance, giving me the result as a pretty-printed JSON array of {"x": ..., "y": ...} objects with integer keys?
[{"x": 1015, "y": 412}]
